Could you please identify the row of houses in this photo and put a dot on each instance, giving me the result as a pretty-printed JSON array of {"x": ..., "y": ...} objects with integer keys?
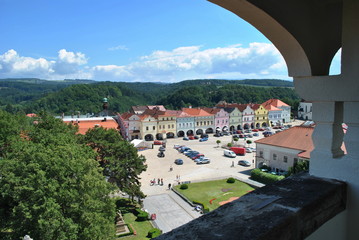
[{"x": 156, "y": 122}]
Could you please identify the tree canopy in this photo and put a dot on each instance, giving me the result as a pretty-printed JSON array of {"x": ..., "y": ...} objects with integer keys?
[
  {"x": 50, "y": 185},
  {"x": 119, "y": 159}
]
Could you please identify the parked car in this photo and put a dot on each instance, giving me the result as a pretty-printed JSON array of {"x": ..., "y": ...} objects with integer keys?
[
  {"x": 192, "y": 154},
  {"x": 156, "y": 142},
  {"x": 225, "y": 133},
  {"x": 176, "y": 146},
  {"x": 239, "y": 132},
  {"x": 204, "y": 161},
  {"x": 229, "y": 153},
  {"x": 249, "y": 150},
  {"x": 162, "y": 149},
  {"x": 203, "y": 135},
  {"x": 244, "y": 163},
  {"x": 191, "y": 138},
  {"x": 179, "y": 161},
  {"x": 249, "y": 135},
  {"x": 197, "y": 156},
  {"x": 217, "y": 135},
  {"x": 196, "y": 137},
  {"x": 241, "y": 136},
  {"x": 185, "y": 138},
  {"x": 203, "y": 139},
  {"x": 255, "y": 134},
  {"x": 261, "y": 129},
  {"x": 160, "y": 154},
  {"x": 255, "y": 130},
  {"x": 200, "y": 159}
]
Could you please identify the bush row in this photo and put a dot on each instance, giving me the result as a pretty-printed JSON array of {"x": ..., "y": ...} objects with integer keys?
[
  {"x": 126, "y": 234},
  {"x": 154, "y": 232},
  {"x": 263, "y": 177}
]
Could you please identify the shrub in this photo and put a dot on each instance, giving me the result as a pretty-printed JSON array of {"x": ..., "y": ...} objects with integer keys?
[
  {"x": 141, "y": 215},
  {"x": 184, "y": 186},
  {"x": 266, "y": 178},
  {"x": 229, "y": 145},
  {"x": 154, "y": 232},
  {"x": 231, "y": 180}
]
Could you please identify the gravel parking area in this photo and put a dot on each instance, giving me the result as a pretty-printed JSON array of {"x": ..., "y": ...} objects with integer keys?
[{"x": 220, "y": 166}]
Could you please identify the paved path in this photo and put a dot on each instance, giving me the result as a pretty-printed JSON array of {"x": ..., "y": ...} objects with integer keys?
[{"x": 171, "y": 210}]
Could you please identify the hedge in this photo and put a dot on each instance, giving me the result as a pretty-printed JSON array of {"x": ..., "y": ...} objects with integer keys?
[
  {"x": 263, "y": 177},
  {"x": 126, "y": 234},
  {"x": 154, "y": 232},
  {"x": 184, "y": 186},
  {"x": 141, "y": 215}
]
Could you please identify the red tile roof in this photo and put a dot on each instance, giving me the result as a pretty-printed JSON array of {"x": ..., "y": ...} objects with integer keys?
[
  {"x": 299, "y": 138},
  {"x": 197, "y": 112},
  {"x": 272, "y": 108},
  {"x": 85, "y": 125},
  {"x": 276, "y": 103}
]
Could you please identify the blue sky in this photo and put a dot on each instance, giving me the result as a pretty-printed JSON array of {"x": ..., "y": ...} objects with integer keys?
[{"x": 137, "y": 40}]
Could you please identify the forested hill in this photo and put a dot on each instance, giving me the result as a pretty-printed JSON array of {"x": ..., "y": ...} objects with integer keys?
[{"x": 34, "y": 95}]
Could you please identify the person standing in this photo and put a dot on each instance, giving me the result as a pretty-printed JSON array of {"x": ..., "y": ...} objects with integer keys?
[{"x": 169, "y": 186}]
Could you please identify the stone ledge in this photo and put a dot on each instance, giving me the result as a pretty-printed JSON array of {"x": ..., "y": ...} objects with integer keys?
[{"x": 289, "y": 209}]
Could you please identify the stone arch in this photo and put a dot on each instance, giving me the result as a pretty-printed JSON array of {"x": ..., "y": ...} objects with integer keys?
[
  {"x": 149, "y": 137},
  {"x": 190, "y": 133},
  {"x": 303, "y": 51},
  {"x": 239, "y": 127},
  {"x": 170, "y": 135},
  {"x": 258, "y": 125},
  {"x": 232, "y": 128},
  {"x": 246, "y": 126},
  {"x": 209, "y": 130},
  {"x": 159, "y": 136},
  {"x": 199, "y": 132},
  {"x": 264, "y": 124},
  {"x": 180, "y": 134}
]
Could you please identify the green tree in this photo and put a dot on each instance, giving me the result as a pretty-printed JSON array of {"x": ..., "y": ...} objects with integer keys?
[
  {"x": 119, "y": 159},
  {"x": 218, "y": 142},
  {"x": 298, "y": 167},
  {"x": 249, "y": 142},
  {"x": 51, "y": 188}
]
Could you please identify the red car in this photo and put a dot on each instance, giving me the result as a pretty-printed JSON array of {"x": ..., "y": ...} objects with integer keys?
[
  {"x": 191, "y": 137},
  {"x": 261, "y": 129},
  {"x": 239, "y": 132},
  {"x": 156, "y": 142},
  {"x": 197, "y": 156},
  {"x": 255, "y": 130}
]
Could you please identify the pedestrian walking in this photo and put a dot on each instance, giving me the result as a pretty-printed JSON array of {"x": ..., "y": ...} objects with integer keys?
[
  {"x": 158, "y": 181},
  {"x": 161, "y": 181},
  {"x": 171, "y": 168},
  {"x": 232, "y": 164},
  {"x": 169, "y": 186}
]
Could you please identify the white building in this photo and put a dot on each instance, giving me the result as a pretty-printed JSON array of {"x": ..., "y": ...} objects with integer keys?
[{"x": 305, "y": 110}]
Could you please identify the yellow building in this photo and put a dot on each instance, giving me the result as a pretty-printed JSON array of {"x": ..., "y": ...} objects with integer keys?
[{"x": 260, "y": 116}]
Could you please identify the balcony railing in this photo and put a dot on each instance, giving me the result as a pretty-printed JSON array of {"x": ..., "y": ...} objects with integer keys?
[{"x": 289, "y": 209}]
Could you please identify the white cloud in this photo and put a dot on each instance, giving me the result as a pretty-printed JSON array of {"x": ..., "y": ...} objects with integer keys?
[{"x": 257, "y": 60}]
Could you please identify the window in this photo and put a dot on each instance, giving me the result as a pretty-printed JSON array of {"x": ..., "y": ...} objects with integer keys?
[
  {"x": 285, "y": 159},
  {"x": 169, "y": 126},
  {"x": 146, "y": 128},
  {"x": 261, "y": 153},
  {"x": 274, "y": 156},
  {"x": 154, "y": 127},
  {"x": 295, "y": 160},
  {"x": 160, "y": 126},
  {"x": 173, "y": 126}
]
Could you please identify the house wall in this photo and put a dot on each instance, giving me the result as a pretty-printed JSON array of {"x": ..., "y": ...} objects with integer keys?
[{"x": 279, "y": 163}]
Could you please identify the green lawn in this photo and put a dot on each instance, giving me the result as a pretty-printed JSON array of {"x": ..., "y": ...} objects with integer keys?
[
  {"x": 218, "y": 190},
  {"x": 141, "y": 228}
]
